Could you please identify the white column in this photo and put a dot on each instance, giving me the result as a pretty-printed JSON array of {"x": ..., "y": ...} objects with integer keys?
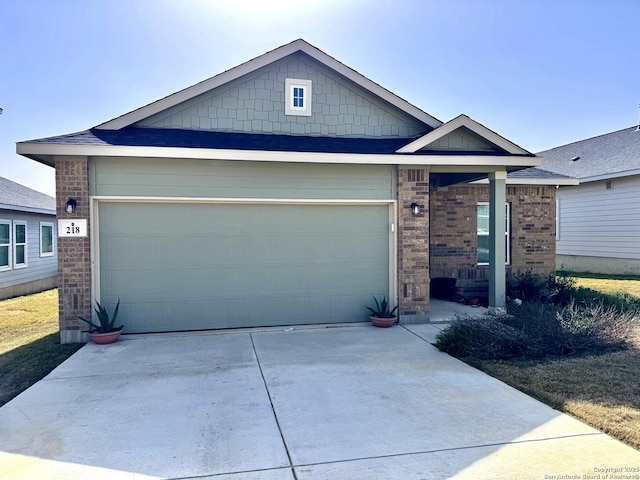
[{"x": 497, "y": 252}]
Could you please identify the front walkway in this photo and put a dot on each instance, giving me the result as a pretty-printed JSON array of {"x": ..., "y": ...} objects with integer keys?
[
  {"x": 445, "y": 311},
  {"x": 345, "y": 402}
]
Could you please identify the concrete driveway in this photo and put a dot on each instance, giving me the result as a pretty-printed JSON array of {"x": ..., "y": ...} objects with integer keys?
[{"x": 348, "y": 402}]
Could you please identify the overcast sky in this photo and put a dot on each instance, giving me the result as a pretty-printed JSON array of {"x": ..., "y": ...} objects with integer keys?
[{"x": 541, "y": 73}]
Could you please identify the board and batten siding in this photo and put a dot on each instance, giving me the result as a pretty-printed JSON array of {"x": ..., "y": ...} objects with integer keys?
[
  {"x": 37, "y": 268},
  {"x": 157, "y": 177},
  {"x": 596, "y": 221}
]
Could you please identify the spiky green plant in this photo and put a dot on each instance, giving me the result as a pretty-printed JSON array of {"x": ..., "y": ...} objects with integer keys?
[
  {"x": 106, "y": 324},
  {"x": 381, "y": 309}
]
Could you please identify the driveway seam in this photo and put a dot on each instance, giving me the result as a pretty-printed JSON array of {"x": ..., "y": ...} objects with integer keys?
[
  {"x": 450, "y": 449},
  {"x": 275, "y": 416}
]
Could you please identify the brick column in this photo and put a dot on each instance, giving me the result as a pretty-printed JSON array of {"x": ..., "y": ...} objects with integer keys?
[
  {"x": 413, "y": 246},
  {"x": 74, "y": 254}
]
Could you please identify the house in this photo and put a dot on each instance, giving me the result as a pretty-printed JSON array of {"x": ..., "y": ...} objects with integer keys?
[
  {"x": 598, "y": 221},
  {"x": 287, "y": 190},
  {"x": 28, "y": 258}
]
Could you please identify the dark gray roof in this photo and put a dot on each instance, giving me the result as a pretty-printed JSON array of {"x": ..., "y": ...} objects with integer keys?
[
  {"x": 611, "y": 155},
  {"x": 14, "y": 196},
  {"x": 182, "y": 138},
  {"x": 536, "y": 173}
]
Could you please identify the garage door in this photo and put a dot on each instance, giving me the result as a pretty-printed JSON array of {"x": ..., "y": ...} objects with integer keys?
[{"x": 184, "y": 266}]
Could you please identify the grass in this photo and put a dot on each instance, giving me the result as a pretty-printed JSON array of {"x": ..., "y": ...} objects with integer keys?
[
  {"x": 29, "y": 342},
  {"x": 602, "y": 390},
  {"x": 607, "y": 283}
]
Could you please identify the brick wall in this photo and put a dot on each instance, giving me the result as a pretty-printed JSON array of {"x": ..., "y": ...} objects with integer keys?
[
  {"x": 74, "y": 254},
  {"x": 453, "y": 244},
  {"x": 413, "y": 245}
]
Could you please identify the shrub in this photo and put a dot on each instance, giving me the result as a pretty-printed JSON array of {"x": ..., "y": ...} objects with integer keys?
[
  {"x": 537, "y": 330},
  {"x": 533, "y": 287}
]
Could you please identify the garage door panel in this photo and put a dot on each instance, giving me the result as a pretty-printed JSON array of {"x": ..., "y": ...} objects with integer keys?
[{"x": 200, "y": 266}]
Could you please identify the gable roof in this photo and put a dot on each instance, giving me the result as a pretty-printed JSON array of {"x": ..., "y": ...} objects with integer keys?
[
  {"x": 463, "y": 121},
  {"x": 299, "y": 45},
  {"x": 612, "y": 155},
  {"x": 14, "y": 196}
]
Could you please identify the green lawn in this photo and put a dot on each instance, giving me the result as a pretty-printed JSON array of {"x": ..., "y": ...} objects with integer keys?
[{"x": 29, "y": 342}]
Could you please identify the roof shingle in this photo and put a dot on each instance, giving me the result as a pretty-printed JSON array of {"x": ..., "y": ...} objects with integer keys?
[
  {"x": 610, "y": 154},
  {"x": 14, "y": 196}
]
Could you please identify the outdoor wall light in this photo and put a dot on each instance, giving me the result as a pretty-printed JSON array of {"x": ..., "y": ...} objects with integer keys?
[
  {"x": 415, "y": 208},
  {"x": 71, "y": 205}
]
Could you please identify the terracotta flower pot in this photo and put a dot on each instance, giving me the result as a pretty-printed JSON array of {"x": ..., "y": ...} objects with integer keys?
[
  {"x": 105, "y": 338},
  {"x": 382, "y": 322}
]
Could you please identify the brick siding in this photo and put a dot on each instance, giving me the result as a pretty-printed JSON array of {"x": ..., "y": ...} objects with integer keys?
[
  {"x": 453, "y": 244},
  {"x": 413, "y": 245},
  {"x": 74, "y": 254}
]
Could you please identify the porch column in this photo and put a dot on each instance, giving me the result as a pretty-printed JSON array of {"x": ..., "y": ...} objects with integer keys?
[{"x": 497, "y": 252}]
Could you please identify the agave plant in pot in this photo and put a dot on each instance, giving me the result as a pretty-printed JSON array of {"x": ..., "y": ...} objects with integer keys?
[
  {"x": 382, "y": 315},
  {"x": 105, "y": 330}
]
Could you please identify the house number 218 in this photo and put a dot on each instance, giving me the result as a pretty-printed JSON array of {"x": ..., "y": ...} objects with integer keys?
[{"x": 73, "y": 229}]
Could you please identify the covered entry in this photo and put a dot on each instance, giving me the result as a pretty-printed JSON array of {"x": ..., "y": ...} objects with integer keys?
[{"x": 191, "y": 266}]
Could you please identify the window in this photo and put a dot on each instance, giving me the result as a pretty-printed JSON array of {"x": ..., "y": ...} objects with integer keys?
[
  {"x": 298, "y": 97},
  {"x": 19, "y": 244},
  {"x": 483, "y": 233},
  {"x": 46, "y": 239},
  {"x": 5, "y": 245}
]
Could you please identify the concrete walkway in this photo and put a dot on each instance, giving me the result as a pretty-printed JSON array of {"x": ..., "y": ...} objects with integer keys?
[{"x": 349, "y": 402}]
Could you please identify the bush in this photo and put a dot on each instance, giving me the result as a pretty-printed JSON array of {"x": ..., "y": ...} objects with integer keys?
[
  {"x": 536, "y": 330},
  {"x": 533, "y": 287}
]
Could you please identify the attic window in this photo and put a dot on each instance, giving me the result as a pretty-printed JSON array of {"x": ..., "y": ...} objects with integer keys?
[{"x": 298, "y": 97}]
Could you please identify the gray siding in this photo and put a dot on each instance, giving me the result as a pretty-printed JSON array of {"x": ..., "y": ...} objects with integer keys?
[
  {"x": 462, "y": 139},
  {"x": 594, "y": 221},
  {"x": 199, "y": 266},
  {"x": 37, "y": 267},
  {"x": 238, "y": 179},
  {"x": 257, "y": 104}
]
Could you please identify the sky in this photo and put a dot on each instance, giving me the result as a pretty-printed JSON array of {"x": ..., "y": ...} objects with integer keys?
[{"x": 540, "y": 73}]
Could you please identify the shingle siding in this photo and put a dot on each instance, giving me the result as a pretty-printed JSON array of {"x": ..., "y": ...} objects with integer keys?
[{"x": 257, "y": 104}]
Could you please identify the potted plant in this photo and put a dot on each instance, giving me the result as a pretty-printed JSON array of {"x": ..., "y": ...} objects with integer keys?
[
  {"x": 104, "y": 332},
  {"x": 381, "y": 314}
]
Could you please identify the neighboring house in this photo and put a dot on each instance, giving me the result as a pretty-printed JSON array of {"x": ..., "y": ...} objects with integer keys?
[
  {"x": 598, "y": 221},
  {"x": 287, "y": 190},
  {"x": 28, "y": 260}
]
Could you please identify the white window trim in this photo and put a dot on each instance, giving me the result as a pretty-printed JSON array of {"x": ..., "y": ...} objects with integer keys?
[
  {"x": 289, "y": 85},
  {"x": 16, "y": 244},
  {"x": 4, "y": 268},
  {"x": 53, "y": 246},
  {"x": 507, "y": 233}
]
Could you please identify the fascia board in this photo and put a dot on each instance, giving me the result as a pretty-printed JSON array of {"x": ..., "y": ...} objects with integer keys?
[
  {"x": 463, "y": 121},
  {"x": 610, "y": 176},
  {"x": 535, "y": 181},
  {"x": 257, "y": 63},
  {"x": 43, "y": 149},
  {"x": 19, "y": 208}
]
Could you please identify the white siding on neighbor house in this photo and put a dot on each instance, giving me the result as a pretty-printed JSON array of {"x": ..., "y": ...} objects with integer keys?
[
  {"x": 596, "y": 221},
  {"x": 37, "y": 267}
]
